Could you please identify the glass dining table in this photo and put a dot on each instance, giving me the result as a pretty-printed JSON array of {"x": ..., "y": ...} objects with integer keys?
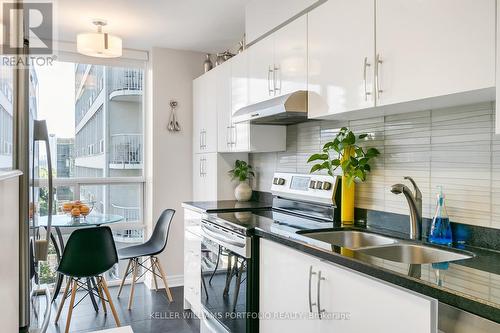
[{"x": 62, "y": 221}]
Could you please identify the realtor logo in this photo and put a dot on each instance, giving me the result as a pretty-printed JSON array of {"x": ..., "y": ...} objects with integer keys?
[{"x": 32, "y": 21}]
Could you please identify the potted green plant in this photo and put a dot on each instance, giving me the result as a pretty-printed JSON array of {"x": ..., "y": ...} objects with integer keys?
[
  {"x": 243, "y": 172},
  {"x": 344, "y": 152}
]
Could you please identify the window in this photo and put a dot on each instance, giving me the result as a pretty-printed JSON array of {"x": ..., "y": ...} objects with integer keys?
[
  {"x": 94, "y": 116},
  {"x": 6, "y": 118}
]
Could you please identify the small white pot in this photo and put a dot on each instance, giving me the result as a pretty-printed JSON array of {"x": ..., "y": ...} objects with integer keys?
[{"x": 243, "y": 192}]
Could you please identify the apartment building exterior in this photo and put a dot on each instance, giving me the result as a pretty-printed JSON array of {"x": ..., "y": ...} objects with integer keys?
[
  {"x": 6, "y": 117},
  {"x": 6, "y": 112},
  {"x": 109, "y": 137}
]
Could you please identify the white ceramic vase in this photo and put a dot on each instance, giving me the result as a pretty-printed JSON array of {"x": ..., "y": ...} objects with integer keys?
[{"x": 243, "y": 192}]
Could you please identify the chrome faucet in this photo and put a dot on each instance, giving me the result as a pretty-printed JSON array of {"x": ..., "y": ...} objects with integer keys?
[{"x": 415, "y": 204}]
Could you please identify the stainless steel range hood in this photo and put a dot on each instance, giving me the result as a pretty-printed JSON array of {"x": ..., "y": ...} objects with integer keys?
[{"x": 283, "y": 110}]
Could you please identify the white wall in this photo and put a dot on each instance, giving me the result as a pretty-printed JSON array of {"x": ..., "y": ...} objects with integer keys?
[{"x": 169, "y": 171}]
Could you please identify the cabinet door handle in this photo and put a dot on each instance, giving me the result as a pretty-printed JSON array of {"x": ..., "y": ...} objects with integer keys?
[
  {"x": 311, "y": 273},
  {"x": 202, "y": 139},
  {"x": 365, "y": 66},
  {"x": 276, "y": 80},
  {"x": 228, "y": 135},
  {"x": 269, "y": 89},
  {"x": 378, "y": 63},
  {"x": 204, "y": 167},
  {"x": 205, "y": 139},
  {"x": 320, "y": 311}
]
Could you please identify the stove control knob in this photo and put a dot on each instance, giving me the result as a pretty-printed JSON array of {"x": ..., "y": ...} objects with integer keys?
[
  {"x": 319, "y": 185},
  {"x": 275, "y": 181},
  {"x": 312, "y": 184},
  {"x": 327, "y": 186},
  {"x": 281, "y": 181}
]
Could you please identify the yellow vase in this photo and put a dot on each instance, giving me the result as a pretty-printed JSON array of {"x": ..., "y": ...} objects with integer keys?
[
  {"x": 347, "y": 210},
  {"x": 348, "y": 191}
]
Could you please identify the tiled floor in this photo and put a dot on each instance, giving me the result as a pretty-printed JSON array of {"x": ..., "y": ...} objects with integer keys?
[{"x": 151, "y": 313}]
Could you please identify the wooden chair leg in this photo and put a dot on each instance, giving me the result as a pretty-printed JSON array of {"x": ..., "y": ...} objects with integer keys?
[
  {"x": 164, "y": 278},
  {"x": 151, "y": 259},
  {"x": 71, "y": 304},
  {"x": 104, "y": 286},
  {"x": 101, "y": 296},
  {"x": 65, "y": 295},
  {"x": 135, "y": 268},
  {"x": 124, "y": 277}
]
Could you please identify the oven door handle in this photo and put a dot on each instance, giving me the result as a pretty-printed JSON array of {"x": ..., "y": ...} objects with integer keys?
[{"x": 219, "y": 237}]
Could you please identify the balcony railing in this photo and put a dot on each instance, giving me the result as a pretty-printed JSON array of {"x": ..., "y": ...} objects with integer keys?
[
  {"x": 5, "y": 147},
  {"x": 126, "y": 231},
  {"x": 126, "y": 79},
  {"x": 126, "y": 149},
  {"x": 130, "y": 214}
]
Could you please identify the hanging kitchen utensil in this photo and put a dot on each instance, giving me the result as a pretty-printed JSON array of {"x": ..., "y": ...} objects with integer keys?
[
  {"x": 170, "y": 125},
  {"x": 173, "y": 123}
]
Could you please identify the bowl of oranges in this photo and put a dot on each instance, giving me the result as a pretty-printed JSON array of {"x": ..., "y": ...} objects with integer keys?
[{"x": 77, "y": 208}]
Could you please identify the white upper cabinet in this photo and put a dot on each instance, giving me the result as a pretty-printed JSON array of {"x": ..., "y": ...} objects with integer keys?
[
  {"x": 260, "y": 70},
  {"x": 341, "y": 57},
  {"x": 239, "y": 81},
  {"x": 431, "y": 48},
  {"x": 224, "y": 127},
  {"x": 216, "y": 96},
  {"x": 290, "y": 57},
  {"x": 231, "y": 137},
  {"x": 425, "y": 53},
  {"x": 205, "y": 114},
  {"x": 239, "y": 99},
  {"x": 277, "y": 65},
  {"x": 262, "y": 16}
]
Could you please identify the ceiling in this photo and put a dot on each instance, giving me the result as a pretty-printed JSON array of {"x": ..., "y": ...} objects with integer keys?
[{"x": 198, "y": 25}]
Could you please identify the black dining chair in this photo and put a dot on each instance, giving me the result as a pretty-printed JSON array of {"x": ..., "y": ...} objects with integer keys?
[
  {"x": 150, "y": 249},
  {"x": 89, "y": 253}
]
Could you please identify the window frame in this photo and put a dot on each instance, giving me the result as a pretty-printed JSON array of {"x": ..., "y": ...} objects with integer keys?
[{"x": 137, "y": 59}]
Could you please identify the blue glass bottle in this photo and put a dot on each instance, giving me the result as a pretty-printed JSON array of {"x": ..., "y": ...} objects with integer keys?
[{"x": 440, "y": 232}]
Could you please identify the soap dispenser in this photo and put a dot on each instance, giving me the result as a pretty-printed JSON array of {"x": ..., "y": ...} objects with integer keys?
[{"x": 440, "y": 232}]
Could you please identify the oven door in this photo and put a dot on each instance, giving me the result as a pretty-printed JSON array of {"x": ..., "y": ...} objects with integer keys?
[{"x": 224, "y": 279}]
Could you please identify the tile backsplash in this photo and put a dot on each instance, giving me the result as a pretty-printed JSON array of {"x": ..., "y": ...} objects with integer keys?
[{"x": 453, "y": 147}]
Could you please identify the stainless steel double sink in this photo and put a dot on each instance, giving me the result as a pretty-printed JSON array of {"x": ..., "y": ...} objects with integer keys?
[{"x": 387, "y": 248}]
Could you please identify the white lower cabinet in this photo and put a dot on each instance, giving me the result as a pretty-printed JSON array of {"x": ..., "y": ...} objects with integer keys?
[
  {"x": 284, "y": 289},
  {"x": 192, "y": 261},
  {"x": 300, "y": 293}
]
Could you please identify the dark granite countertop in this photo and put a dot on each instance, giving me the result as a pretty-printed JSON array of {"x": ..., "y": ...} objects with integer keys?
[
  {"x": 225, "y": 206},
  {"x": 472, "y": 285}
]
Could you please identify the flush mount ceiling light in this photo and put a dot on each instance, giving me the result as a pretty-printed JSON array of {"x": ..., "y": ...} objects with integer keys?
[{"x": 99, "y": 44}]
